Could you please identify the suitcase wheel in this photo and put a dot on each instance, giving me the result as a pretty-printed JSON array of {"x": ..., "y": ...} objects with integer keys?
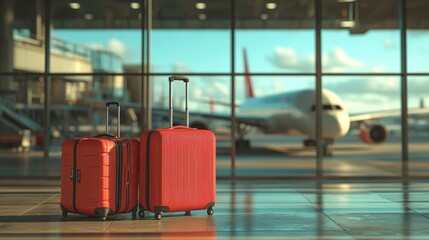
[
  {"x": 64, "y": 213},
  {"x": 188, "y": 213},
  {"x": 134, "y": 214},
  {"x": 141, "y": 214},
  {"x": 104, "y": 218},
  {"x": 157, "y": 216},
  {"x": 210, "y": 211}
]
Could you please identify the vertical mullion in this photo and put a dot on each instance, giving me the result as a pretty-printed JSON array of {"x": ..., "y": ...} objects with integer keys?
[
  {"x": 319, "y": 132},
  {"x": 47, "y": 88},
  {"x": 404, "y": 87},
  {"x": 233, "y": 119},
  {"x": 142, "y": 67}
]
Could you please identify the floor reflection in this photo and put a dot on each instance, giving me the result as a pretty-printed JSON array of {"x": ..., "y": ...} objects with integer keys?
[{"x": 244, "y": 210}]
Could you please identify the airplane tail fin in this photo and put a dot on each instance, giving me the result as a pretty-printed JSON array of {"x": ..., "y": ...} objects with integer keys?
[{"x": 249, "y": 87}]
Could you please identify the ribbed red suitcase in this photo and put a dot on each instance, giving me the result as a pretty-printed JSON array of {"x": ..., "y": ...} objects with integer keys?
[
  {"x": 177, "y": 167},
  {"x": 99, "y": 176}
]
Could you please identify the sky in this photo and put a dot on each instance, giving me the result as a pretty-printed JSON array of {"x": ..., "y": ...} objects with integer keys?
[{"x": 276, "y": 51}]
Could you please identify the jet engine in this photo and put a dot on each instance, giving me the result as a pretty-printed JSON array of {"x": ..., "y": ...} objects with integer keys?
[{"x": 373, "y": 134}]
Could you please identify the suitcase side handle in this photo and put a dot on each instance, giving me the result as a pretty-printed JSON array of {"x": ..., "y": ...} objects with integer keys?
[
  {"x": 186, "y": 81},
  {"x": 118, "y": 125}
]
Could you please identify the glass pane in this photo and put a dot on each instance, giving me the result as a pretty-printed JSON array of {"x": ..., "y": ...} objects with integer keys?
[
  {"x": 417, "y": 36},
  {"x": 21, "y": 39},
  {"x": 95, "y": 36},
  {"x": 274, "y": 125},
  {"x": 372, "y": 146},
  {"x": 279, "y": 37},
  {"x": 190, "y": 37},
  {"x": 360, "y": 36},
  {"x": 418, "y": 124},
  {"x": 21, "y": 127}
]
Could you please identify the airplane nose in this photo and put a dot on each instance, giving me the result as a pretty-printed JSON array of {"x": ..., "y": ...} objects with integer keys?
[{"x": 335, "y": 125}]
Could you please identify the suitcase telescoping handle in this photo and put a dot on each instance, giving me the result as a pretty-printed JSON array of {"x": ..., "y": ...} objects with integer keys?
[
  {"x": 186, "y": 81},
  {"x": 108, "y": 104}
]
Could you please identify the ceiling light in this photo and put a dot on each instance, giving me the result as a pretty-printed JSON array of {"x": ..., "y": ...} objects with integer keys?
[
  {"x": 264, "y": 16},
  {"x": 74, "y": 5},
  {"x": 202, "y": 16},
  {"x": 88, "y": 16},
  {"x": 344, "y": 1},
  {"x": 200, "y": 5},
  {"x": 271, "y": 5},
  {"x": 347, "y": 24},
  {"x": 135, "y": 5}
]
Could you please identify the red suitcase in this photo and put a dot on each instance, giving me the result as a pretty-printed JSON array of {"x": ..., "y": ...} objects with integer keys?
[
  {"x": 99, "y": 176},
  {"x": 177, "y": 167}
]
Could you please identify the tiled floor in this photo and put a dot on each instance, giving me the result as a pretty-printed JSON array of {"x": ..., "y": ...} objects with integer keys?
[{"x": 244, "y": 210}]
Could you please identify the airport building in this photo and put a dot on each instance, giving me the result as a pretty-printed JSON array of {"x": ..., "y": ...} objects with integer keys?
[{"x": 318, "y": 108}]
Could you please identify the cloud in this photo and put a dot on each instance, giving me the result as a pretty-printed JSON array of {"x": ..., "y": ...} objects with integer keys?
[
  {"x": 113, "y": 45},
  {"x": 96, "y": 46},
  {"x": 389, "y": 86},
  {"x": 337, "y": 60},
  {"x": 368, "y": 94},
  {"x": 368, "y": 102},
  {"x": 288, "y": 58},
  {"x": 117, "y": 47},
  {"x": 221, "y": 89},
  {"x": 180, "y": 67},
  {"x": 389, "y": 43},
  {"x": 203, "y": 89},
  {"x": 418, "y": 86}
]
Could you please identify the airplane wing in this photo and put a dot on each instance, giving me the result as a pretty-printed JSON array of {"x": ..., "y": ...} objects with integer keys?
[
  {"x": 386, "y": 114},
  {"x": 257, "y": 121}
]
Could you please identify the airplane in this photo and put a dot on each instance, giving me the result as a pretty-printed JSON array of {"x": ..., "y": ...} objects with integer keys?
[{"x": 294, "y": 113}]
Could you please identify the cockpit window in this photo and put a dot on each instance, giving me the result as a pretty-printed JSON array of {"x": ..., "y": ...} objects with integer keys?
[{"x": 327, "y": 107}]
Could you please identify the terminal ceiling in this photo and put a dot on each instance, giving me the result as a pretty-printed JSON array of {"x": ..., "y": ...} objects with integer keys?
[{"x": 183, "y": 14}]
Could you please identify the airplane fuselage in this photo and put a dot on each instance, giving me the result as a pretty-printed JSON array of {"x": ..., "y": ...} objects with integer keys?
[{"x": 294, "y": 113}]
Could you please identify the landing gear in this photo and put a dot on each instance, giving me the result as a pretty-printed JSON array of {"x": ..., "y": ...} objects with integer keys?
[
  {"x": 241, "y": 143},
  {"x": 309, "y": 143},
  {"x": 327, "y": 150}
]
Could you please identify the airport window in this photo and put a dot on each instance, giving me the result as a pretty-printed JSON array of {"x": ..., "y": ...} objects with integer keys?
[
  {"x": 277, "y": 38},
  {"x": 99, "y": 50},
  {"x": 417, "y": 33},
  {"x": 362, "y": 96},
  {"x": 95, "y": 37},
  {"x": 360, "y": 36},
  {"x": 189, "y": 38},
  {"x": 418, "y": 125}
]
